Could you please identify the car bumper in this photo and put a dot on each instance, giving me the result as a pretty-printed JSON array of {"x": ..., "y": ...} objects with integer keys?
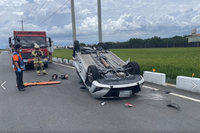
[{"x": 99, "y": 90}]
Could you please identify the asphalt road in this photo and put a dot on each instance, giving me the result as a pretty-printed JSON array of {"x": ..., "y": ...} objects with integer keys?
[{"x": 67, "y": 108}]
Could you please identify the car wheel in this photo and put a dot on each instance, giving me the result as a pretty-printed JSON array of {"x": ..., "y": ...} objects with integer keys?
[
  {"x": 134, "y": 68},
  {"x": 92, "y": 74},
  {"x": 76, "y": 47}
]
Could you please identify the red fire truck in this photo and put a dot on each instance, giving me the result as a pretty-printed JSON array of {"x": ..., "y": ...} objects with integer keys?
[{"x": 27, "y": 39}]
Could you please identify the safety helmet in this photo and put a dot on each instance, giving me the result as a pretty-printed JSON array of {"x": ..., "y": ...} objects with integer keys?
[{"x": 36, "y": 46}]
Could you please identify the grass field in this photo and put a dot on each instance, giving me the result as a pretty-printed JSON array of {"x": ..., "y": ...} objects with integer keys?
[
  {"x": 172, "y": 61},
  {"x": 63, "y": 53}
]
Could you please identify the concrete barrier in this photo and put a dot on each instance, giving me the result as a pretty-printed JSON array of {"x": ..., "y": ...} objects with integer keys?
[
  {"x": 71, "y": 62},
  {"x": 55, "y": 59},
  {"x": 65, "y": 61},
  {"x": 60, "y": 60},
  {"x": 188, "y": 83},
  {"x": 154, "y": 77}
]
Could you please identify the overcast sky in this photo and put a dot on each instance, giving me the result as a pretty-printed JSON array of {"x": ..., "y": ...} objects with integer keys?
[{"x": 122, "y": 19}]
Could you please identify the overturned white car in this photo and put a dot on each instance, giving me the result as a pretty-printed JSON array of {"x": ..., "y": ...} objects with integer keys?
[{"x": 105, "y": 74}]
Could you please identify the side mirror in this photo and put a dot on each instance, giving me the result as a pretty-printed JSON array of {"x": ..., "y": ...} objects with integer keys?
[
  {"x": 10, "y": 40},
  {"x": 50, "y": 42}
]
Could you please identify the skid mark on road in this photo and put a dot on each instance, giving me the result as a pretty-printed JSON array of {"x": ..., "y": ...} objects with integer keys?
[
  {"x": 174, "y": 94},
  {"x": 151, "y": 96}
]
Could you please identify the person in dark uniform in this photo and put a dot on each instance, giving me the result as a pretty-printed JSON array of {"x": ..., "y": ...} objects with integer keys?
[{"x": 18, "y": 67}]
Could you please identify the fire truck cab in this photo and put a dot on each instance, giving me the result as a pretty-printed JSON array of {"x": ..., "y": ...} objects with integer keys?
[{"x": 27, "y": 39}]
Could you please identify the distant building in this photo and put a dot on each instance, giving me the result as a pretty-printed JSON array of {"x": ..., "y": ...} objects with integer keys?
[{"x": 194, "y": 38}]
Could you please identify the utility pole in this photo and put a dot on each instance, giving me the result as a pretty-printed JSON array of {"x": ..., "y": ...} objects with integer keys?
[
  {"x": 99, "y": 21},
  {"x": 22, "y": 22},
  {"x": 73, "y": 20}
]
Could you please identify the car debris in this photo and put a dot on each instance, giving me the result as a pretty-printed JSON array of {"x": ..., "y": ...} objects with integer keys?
[
  {"x": 173, "y": 105},
  {"x": 54, "y": 77},
  {"x": 103, "y": 103},
  {"x": 167, "y": 92},
  {"x": 64, "y": 76},
  {"x": 129, "y": 105},
  {"x": 83, "y": 88},
  {"x": 104, "y": 73}
]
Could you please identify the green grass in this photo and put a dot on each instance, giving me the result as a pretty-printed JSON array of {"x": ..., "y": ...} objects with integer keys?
[
  {"x": 172, "y": 61},
  {"x": 63, "y": 53}
]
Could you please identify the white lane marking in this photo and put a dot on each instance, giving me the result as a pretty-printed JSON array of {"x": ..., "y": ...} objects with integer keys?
[
  {"x": 174, "y": 94},
  {"x": 150, "y": 88},
  {"x": 3, "y": 86},
  {"x": 189, "y": 98},
  {"x": 65, "y": 65}
]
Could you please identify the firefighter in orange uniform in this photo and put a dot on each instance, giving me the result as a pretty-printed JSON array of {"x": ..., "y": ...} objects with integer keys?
[{"x": 18, "y": 67}]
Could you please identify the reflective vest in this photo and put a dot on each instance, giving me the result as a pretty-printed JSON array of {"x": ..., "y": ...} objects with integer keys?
[
  {"x": 17, "y": 58},
  {"x": 37, "y": 58}
]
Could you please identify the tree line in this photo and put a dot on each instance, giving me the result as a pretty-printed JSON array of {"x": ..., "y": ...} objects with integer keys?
[{"x": 154, "y": 42}]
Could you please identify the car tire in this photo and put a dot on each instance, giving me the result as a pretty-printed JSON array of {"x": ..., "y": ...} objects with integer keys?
[
  {"x": 134, "y": 68},
  {"x": 92, "y": 74},
  {"x": 76, "y": 47}
]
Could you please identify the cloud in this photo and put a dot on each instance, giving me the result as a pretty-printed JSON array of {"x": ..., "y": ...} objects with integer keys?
[
  {"x": 18, "y": 13},
  {"x": 121, "y": 19},
  {"x": 84, "y": 12}
]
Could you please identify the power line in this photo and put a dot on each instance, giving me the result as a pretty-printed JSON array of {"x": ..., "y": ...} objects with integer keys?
[
  {"x": 42, "y": 6},
  {"x": 60, "y": 8}
]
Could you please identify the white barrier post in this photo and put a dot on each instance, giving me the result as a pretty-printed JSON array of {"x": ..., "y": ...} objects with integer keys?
[
  {"x": 60, "y": 60},
  {"x": 154, "y": 77},
  {"x": 71, "y": 62},
  {"x": 188, "y": 83},
  {"x": 55, "y": 59},
  {"x": 65, "y": 61}
]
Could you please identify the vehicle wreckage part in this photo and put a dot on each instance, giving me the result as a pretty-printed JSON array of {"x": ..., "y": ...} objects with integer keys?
[
  {"x": 54, "y": 77},
  {"x": 64, "y": 76},
  {"x": 129, "y": 105},
  {"x": 173, "y": 105},
  {"x": 42, "y": 83},
  {"x": 104, "y": 63},
  {"x": 101, "y": 90},
  {"x": 134, "y": 68},
  {"x": 92, "y": 74}
]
